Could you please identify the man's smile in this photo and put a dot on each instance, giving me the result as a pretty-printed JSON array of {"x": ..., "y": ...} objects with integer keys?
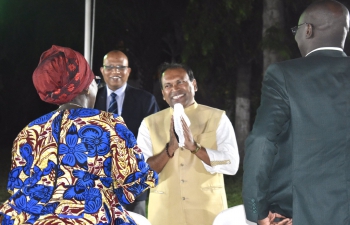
[
  {"x": 115, "y": 77},
  {"x": 175, "y": 97}
]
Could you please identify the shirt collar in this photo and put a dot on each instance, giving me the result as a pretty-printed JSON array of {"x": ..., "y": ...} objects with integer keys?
[
  {"x": 325, "y": 48},
  {"x": 119, "y": 91}
]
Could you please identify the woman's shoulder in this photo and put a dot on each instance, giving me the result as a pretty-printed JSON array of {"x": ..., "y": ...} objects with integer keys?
[{"x": 43, "y": 119}]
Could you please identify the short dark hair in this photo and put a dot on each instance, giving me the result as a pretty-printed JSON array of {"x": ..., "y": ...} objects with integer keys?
[{"x": 165, "y": 66}]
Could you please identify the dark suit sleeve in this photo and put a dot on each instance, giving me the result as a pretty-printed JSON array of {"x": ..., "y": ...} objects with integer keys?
[
  {"x": 101, "y": 99},
  {"x": 152, "y": 106},
  {"x": 261, "y": 148}
]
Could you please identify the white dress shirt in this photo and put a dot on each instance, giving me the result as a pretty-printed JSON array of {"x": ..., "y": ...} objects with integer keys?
[
  {"x": 325, "y": 48},
  {"x": 226, "y": 147},
  {"x": 120, "y": 98}
]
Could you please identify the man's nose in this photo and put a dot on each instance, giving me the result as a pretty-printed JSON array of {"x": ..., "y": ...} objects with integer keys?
[
  {"x": 115, "y": 70},
  {"x": 174, "y": 87}
]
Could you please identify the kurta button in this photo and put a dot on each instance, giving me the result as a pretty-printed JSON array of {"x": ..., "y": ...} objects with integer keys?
[
  {"x": 182, "y": 181},
  {"x": 181, "y": 164},
  {"x": 183, "y": 198}
]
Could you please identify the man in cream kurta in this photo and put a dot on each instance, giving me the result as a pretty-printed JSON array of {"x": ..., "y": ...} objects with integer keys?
[{"x": 191, "y": 186}]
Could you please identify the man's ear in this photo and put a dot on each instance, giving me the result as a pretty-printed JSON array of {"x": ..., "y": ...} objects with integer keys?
[
  {"x": 163, "y": 94},
  {"x": 309, "y": 31},
  {"x": 194, "y": 82}
]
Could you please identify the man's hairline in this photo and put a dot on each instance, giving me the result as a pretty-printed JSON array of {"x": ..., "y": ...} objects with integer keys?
[
  {"x": 115, "y": 52},
  {"x": 162, "y": 75}
]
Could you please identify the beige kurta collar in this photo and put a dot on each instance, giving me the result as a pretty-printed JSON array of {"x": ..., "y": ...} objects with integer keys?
[{"x": 188, "y": 109}]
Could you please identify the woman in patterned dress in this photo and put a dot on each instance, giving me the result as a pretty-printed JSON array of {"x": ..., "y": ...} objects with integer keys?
[{"x": 75, "y": 165}]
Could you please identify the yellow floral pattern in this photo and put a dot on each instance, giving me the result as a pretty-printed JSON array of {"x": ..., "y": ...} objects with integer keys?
[{"x": 75, "y": 166}]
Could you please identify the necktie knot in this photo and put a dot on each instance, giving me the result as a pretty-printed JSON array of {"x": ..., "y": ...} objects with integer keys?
[
  {"x": 113, "y": 105},
  {"x": 114, "y": 95}
]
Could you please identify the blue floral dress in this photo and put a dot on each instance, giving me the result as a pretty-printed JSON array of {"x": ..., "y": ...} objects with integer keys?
[{"x": 75, "y": 166}]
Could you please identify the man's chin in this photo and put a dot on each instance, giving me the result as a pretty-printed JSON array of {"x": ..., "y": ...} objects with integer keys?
[
  {"x": 175, "y": 102},
  {"x": 114, "y": 87}
]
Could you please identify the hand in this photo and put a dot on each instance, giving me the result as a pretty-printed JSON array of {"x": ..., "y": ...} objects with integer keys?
[
  {"x": 269, "y": 220},
  {"x": 173, "y": 144},
  {"x": 189, "y": 142}
]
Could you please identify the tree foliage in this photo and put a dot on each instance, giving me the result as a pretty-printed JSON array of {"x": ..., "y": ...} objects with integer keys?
[
  {"x": 213, "y": 29},
  {"x": 219, "y": 36}
]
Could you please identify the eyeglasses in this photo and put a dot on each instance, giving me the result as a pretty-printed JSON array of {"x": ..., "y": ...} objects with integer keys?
[
  {"x": 98, "y": 80},
  {"x": 118, "y": 68},
  {"x": 295, "y": 29}
]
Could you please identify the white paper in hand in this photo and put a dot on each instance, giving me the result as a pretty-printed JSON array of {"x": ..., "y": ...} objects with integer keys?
[{"x": 178, "y": 114}]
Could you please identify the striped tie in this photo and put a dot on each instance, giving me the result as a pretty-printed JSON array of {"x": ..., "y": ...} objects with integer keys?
[{"x": 113, "y": 105}]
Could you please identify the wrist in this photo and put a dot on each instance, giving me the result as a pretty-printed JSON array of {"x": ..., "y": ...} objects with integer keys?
[
  {"x": 167, "y": 151},
  {"x": 198, "y": 147}
]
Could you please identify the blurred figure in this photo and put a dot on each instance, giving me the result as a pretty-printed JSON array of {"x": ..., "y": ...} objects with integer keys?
[
  {"x": 131, "y": 103},
  {"x": 75, "y": 165},
  {"x": 297, "y": 156},
  {"x": 191, "y": 184}
]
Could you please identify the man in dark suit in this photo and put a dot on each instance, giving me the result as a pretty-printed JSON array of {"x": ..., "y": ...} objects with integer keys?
[
  {"x": 131, "y": 103},
  {"x": 297, "y": 159}
]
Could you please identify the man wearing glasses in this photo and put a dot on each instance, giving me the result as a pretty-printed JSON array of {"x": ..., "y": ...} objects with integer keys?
[
  {"x": 297, "y": 157},
  {"x": 131, "y": 103}
]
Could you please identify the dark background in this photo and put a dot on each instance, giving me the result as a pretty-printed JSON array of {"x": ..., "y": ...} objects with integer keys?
[{"x": 213, "y": 37}]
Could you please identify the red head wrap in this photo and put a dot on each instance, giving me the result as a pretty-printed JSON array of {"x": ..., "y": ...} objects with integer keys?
[{"x": 62, "y": 74}]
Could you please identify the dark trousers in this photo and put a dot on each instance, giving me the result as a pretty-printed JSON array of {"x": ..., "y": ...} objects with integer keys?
[{"x": 139, "y": 205}]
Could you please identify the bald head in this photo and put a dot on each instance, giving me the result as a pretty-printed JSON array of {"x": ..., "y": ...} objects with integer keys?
[
  {"x": 327, "y": 15},
  {"x": 115, "y": 54},
  {"x": 326, "y": 24}
]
